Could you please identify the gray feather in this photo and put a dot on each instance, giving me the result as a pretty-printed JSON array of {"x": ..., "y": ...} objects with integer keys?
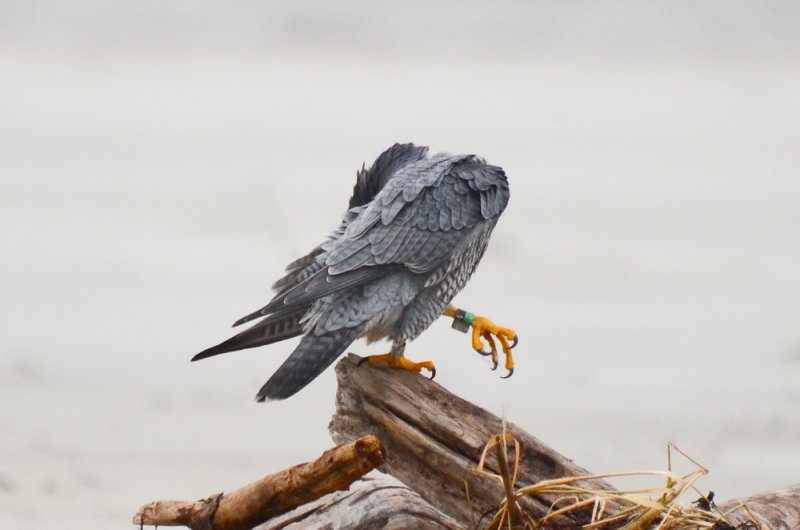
[
  {"x": 370, "y": 181},
  {"x": 317, "y": 286},
  {"x": 307, "y": 361},
  {"x": 274, "y": 328},
  {"x": 299, "y": 270}
]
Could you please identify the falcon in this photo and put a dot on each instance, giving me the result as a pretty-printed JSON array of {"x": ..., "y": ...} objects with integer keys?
[{"x": 415, "y": 229}]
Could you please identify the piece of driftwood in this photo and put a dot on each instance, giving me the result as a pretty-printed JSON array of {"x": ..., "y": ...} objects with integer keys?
[
  {"x": 273, "y": 495},
  {"x": 381, "y": 501},
  {"x": 435, "y": 444},
  {"x": 433, "y": 438},
  {"x": 776, "y": 510}
]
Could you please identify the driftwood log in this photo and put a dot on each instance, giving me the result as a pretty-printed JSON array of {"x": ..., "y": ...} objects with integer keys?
[
  {"x": 430, "y": 442},
  {"x": 273, "y": 495},
  {"x": 776, "y": 510},
  {"x": 373, "y": 502},
  {"x": 433, "y": 438}
]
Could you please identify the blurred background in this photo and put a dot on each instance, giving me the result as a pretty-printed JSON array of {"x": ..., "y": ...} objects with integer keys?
[{"x": 160, "y": 162}]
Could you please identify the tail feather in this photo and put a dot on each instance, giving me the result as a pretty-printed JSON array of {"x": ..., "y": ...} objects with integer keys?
[
  {"x": 307, "y": 361},
  {"x": 274, "y": 328}
]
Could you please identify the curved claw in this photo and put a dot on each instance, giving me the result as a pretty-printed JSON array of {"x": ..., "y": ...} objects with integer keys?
[
  {"x": 362, "y": 361},
  {"x": 510, "y": 373},
  {"x": 494, "y": 362},
  {"x": 516, "y": 341},
  {"x": 433, "y": 373},
  {"x": 487, "y": 353}
]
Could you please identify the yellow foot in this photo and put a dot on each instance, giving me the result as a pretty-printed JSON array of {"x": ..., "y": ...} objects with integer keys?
[
  {"x": 399, "y": 362},
  {"x": 483, "y": 327}
]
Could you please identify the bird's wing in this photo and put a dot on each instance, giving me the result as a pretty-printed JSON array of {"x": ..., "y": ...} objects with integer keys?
[
  {"x": 300, "y": 269},
  {"x": 415, "y": 222},
  {"x": 421, "y": 216},
  {"x": 368, "y": 183},
  {"x": 309, "y": 290}
]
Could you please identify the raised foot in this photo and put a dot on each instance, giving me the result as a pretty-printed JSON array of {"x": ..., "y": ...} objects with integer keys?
[
  {"x": 488, "y": 330},
  {"x": 399, "y": 362}
]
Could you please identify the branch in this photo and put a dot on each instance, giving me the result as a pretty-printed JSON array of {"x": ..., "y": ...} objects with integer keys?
[{"x": 273, "y": 495}]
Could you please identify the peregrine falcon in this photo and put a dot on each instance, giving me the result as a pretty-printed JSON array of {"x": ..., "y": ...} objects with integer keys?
[{"x": 416, "y": 227}]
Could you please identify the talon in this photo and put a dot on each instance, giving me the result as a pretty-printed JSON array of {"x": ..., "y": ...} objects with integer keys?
[
  {"x": 400, "y": 362},
  {"x": 488, "y": 330},
  {"x": 492, "y": 344},
  {"x": 362, "y": 361},
  {"x": 493, "y": 351}
]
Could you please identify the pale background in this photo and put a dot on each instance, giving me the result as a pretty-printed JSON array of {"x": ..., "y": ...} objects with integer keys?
[{"x": 160, "y": 162}]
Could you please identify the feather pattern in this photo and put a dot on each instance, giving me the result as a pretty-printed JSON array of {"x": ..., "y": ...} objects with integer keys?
[
  {"x": 307, "y": 361},
  {"x": 274, "y": 328}
]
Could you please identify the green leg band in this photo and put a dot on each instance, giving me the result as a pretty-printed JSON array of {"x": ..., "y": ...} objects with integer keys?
[
  {"x": 466, "y": 316},
  {"x": 462, "y": 320}
]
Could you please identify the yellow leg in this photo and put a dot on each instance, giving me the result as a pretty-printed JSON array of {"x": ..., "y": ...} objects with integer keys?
[
  {"x": 399, "y": 362},
  {"x": 483, "y": 328},
  {"x": 451, "y": 311}
]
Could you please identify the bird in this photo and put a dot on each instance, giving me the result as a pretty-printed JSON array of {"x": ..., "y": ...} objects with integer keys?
[{"x": 416, "y": 226}]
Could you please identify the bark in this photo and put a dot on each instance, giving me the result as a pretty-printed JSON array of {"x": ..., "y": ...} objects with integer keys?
[
  {"x": 433, "y": 438},
  {"x": 431, "y": 442},
  {"x": 273, "y": 495},
  {"x": 776, "y": 510},
  {"x": 373, "y": 502}
]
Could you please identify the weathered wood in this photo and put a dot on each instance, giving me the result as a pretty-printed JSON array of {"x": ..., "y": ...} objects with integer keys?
[
  {"x": 433, "y": 441},
  {"x": 370, "y": 503},
  {"x": 273, "y": 495},
  {"x": 776, "y": 510},
  {"x": 433, "y": 438}
]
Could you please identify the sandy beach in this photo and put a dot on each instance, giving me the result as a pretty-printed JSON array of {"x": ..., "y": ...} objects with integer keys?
[{"x": 160, "y": 165}]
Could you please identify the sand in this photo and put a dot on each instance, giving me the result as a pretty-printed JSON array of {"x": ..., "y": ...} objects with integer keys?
[{"x": 161, "y": 164}]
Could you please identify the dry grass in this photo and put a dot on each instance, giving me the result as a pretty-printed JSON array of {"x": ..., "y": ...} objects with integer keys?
[{"x": 656, "y": 508}]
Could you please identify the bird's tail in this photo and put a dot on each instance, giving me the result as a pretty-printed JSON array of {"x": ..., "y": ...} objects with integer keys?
[
  {"x": 274, "y": 328},
  {"x": 307, "y": 361}
]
